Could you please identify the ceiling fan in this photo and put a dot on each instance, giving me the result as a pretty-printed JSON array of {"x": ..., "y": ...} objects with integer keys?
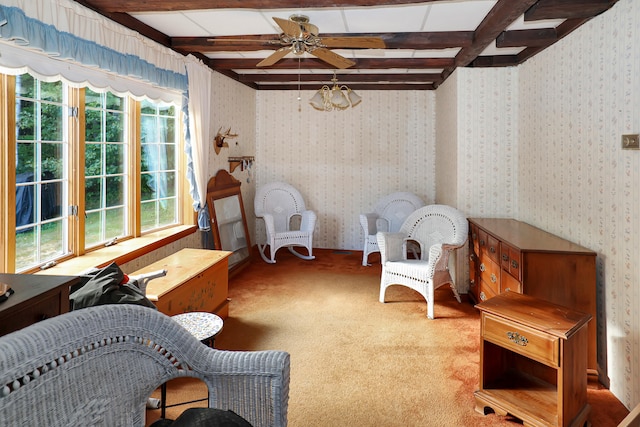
[{"x": 299, "y": 36}]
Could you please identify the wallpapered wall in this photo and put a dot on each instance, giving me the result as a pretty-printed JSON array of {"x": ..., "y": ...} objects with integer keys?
[
  {"x": 541, "y": 143},
  {"x": 576, "y": 100},
  {"x": 343, "y": 161}
]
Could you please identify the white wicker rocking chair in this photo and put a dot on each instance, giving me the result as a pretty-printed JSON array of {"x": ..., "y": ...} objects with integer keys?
[
  {"x": 277, "y": 203},
  {"x": 389, "y": 213},
  {"x": 438, "y": 230}
]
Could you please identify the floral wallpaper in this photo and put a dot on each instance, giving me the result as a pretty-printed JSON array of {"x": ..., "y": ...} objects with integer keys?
[
  {"x": 576, "y": 100},
  {"x": 343, "y": 161},
  {"x": 542, "y": 143}
]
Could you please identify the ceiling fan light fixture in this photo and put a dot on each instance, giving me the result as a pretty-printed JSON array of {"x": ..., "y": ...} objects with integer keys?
[{"x": 334, "y": 98}]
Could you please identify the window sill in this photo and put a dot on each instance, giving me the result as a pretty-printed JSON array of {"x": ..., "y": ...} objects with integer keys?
[{"x": 120, "y": 253}]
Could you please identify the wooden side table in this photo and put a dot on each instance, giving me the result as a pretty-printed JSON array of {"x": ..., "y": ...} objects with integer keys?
[
  {"x": 533, "y": 361},
  {"x": 36, "y": 297}
]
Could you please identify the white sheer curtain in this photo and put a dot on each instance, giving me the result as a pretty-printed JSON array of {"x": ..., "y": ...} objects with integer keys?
[{"x": 199, "y": 77}]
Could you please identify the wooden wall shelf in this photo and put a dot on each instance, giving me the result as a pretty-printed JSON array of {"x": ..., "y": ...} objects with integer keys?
[{"x": 242, "y": 161}]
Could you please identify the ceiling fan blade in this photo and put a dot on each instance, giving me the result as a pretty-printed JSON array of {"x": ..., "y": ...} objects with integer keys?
[
  {"x": 275, "y": 57},
  {"x": 289, "y": 27},
  {"x": 332, "y": 58},
  {"x": 354, "y": 42}
]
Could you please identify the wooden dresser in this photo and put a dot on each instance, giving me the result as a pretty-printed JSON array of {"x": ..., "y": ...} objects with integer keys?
[
  {"x": 506, "y": 254},
  {"x": 533, "y": 361},
  {"x": 37, "y": 297}
]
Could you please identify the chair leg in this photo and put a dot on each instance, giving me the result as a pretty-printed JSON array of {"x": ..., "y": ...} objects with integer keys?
[
  {"x": 299, "y": 255},
  {"x": 261, "y": 249}
]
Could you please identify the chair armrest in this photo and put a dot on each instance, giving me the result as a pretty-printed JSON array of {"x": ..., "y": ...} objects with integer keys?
[
  {"x": 391, "y": 246},
  {"x": 269, "y": 223},
  {"x": 368, "y": 222},
  {"x": 253, "y": 384},
  {"x": 382, "y": 224},
  {"x": 308, "y": 222}
]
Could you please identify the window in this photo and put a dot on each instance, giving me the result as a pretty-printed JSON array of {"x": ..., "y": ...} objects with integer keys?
[
  {"x": 105, "y": 158},
  {"x": 90, "y": 167},
  {"x": 41, "y": 165},
  {"x": 158, "y": 175}
]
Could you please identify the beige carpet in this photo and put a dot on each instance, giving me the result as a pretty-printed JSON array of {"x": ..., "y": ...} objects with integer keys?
[{"x": 355, "y": 361}]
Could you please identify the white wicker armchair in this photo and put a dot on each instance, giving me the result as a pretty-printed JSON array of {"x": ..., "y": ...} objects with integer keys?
[
  {"x": 438, "y": 230},
  {"x": 97, "y": 366},
  {"x": 278, "y": 203},
  {"x": 388, "y": 215}
]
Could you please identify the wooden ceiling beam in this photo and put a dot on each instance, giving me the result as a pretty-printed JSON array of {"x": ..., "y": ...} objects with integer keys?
[
  {"x": 537, "y": 37},
  {"x": 423, "y": 40},
  {"x": 355, "y": 77},
  {"x": 128, "y": 6},
  {"x": 567, "y": 9},
  {"x": 307, "y": 63},
  {"x": 398, "y": 86}
]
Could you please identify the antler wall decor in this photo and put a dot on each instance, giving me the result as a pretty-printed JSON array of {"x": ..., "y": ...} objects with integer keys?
[{"x": 219, "y": 140}]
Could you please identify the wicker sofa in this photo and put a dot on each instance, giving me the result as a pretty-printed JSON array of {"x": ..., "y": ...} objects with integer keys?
[{"x": 98, "y": 366}]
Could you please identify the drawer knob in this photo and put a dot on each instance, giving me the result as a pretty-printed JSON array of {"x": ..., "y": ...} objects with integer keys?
[
  {"x": 514, "y": 263},
  {"x": 482, "y": 267},
  {"x": 492, "y": 249},
  {"x": 505, "y": 257},
  {"x": 517, "y": 338},
  {"x": 494, "y": 279}
]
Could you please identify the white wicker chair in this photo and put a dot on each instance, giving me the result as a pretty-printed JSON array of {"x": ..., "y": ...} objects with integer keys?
[
  {"x": 97, "y": 366},
  {"x": 438, "y": 230},
  {"x": 389, "y": 213},
  {"x": 277, "y": 203}
]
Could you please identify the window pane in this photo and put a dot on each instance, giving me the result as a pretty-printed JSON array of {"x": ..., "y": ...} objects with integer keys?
[
  {"x": 115, "y": 158},
  {"x": 52, "y": 240},
  {"x": 92, "y": 229},
  {"x": 26, "y": 162},
  {"x": 51, "y": 91},
  {"x": 167, "y": 212},
  {"x": 148, "y": 214},
  {"x": 115, "y": 223},
  {"x": 149, "y": 129},
  {"x": 148, "y": 181},
  {"x": 92, "y": 99},
  {"x": 170, "y": 156},
  {"x": 51, "y": 159},
  {"x": 166, "y": 184},
  {"x": 25, "y": 86},
  {"x": 114, "y": 102},
  {"x": 26, "y": 241},
  {"x": 93, "y": 159},
  {"x": 93, "y": 127},
  {"x": 51, "y": 200},
  {"x": 93, "y": 193},
  {"x": 115, "y": 191},
  {"x": 115, "y": 127},
  {"x": 25, "y": 120},
  {"x": 25, "y": 203}
]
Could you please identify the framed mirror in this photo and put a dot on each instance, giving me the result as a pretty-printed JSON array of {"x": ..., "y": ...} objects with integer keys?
[{"x": 228, "y": 221}]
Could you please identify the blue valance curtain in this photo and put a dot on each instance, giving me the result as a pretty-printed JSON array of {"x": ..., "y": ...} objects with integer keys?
[{"x": 28, "y": 32}]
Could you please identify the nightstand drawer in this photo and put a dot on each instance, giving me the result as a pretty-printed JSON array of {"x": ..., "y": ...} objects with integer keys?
[{"x": 520, "y": 339}]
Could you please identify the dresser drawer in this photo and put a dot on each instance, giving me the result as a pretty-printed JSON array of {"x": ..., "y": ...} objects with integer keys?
[
  {"x": 509, "y": 283},
  {"x": 521, "y": 339},
  {"x": 490, "y": 273},
  {"x": 510, "y": 259},
  {"x": 485, "y": 291}
]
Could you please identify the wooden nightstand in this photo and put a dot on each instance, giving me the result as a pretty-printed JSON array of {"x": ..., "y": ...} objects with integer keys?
[{"x": 533, "y": 361}]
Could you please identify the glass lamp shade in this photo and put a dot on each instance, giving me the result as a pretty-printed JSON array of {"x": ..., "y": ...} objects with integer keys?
[
  {"x": 317, "y": 101},
  {"x": 354, "y": 98},
  {"x": 338, "y": 99}
]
